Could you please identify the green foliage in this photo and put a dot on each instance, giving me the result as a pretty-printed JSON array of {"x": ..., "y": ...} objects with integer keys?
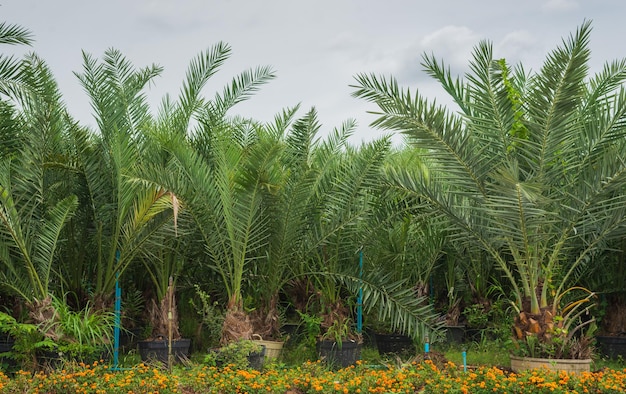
[
  {"x": 312, "y": 328},
  {"x": 303, "y": 347},
  {"x": 132, "y": 304},
  {"x": 236, "y": 354},
  {"x": 124, "y": 213},
  {"x": 11, "y": 81},
  {"x": 338, "y": 332},
  {"x": 476, "y": 315},
  {"x": 518, "y": 129},
  {"x": 36, "y": 184},
  {"x": 82, "y": 335},
  {"x": 543, "y": 209},
  {"x": 395, "y": 303},
  {"x": 211, "y": 316},
  {"x": 27, "y": 340}
]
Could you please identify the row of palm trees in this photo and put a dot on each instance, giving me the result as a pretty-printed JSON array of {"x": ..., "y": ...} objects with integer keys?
[
  {"x": 528, "y": 177},
  {"x": 246, "y": 209}
]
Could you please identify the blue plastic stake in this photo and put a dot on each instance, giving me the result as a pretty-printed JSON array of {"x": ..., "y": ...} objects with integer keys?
[
  {"x": 118, "y": 313},
  {"x": 359, "y": 307},
  {"x": 464, "y": 361}
]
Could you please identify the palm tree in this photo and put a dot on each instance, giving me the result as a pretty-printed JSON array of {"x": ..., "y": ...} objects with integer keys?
[
  {"x": 119, "y": 215},
  {"x": 531, "y": 168},
  {"x": 34, "y": 179},
  {"x": 404, "y": 239},
  {"x": 204, "y": 157},
  {"x": 288, "y": 188},
  {"x": 315, "y": 196}
]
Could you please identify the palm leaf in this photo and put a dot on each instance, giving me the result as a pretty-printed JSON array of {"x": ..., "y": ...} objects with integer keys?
[
  {"x": 394, "y": 302},
  {"x": 14, "y": 34}
]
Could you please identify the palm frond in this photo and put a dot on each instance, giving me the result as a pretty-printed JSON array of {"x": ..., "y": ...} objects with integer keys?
[
  {"x": 48, "y": 239},
  {"x": 395, "y": 303},
  {"x": 115, "y": 89},
  {"x": 241, "y": 88},
  {"x": 199, "y": 71},
  {"x": 553, "y": 100},
  {"x": 429, "y": 127},
  {"x": 10, "y": 67},
  {"x": 15, "y": 34}
]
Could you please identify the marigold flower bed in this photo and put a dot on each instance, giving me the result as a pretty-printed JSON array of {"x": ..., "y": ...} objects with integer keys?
[{"x": 310, "y": 378}]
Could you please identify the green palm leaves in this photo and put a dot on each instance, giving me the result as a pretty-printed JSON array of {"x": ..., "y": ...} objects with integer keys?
[
  {"x": 79, "y": 207},
  {"x": 124, "y": 213},
  {"x": 541, "y": 202},
  {"x": 30, "y": 234},
  {"x": 33, "y": 205},
  {"x": 10, "y": 78}
]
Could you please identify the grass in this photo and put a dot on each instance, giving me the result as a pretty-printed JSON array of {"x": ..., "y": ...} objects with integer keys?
[
  {"x": 489, "y": 354},
  {"x": 494, "y": 354}
]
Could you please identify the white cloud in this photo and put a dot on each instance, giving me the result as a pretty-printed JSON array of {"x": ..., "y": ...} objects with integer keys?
[
  {"x": 516, "y": 46},
  {"x": 452, "y": 43}
]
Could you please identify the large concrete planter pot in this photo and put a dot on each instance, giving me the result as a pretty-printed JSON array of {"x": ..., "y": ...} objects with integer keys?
[{"x": 519, "y": 364}]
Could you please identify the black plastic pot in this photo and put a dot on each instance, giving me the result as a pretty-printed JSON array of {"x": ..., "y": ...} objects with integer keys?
[
  {"x": 6, "y": 363},
  {"x": 612, "y": 346},
  {"x": 129, "y": 338},
  {"x": 157, "y": 350},
  {"x": 455, "y": 334},
  {"x": 293, "y": 331},
  {"x": 339, "y": 355},
  {"x": 393, "y": 343},
  {"x": 49, "y": 359},
  {"x": 256, "y": 359}
]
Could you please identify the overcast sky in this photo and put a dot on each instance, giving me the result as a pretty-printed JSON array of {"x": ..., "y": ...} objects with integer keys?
[{"x": 316, "y": 47}]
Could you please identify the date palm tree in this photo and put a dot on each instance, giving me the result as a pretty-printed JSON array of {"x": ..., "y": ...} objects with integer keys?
[
  {"x": 531, "y": 168},
  {"x": 34, "y": 178},
  {"x": 204, "y": 153},
  {"x": 119, "y": 216}
]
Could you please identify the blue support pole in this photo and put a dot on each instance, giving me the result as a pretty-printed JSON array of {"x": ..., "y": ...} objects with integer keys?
[
  {"x": 118, "y": 314},
  {"x": 359, "y": 307}
]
